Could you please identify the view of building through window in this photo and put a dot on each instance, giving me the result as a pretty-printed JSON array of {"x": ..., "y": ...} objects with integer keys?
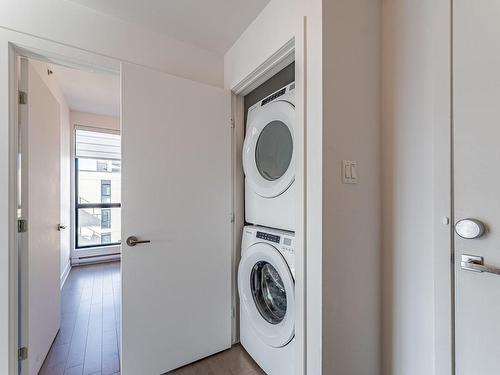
[{"x": 98, "y": 190}]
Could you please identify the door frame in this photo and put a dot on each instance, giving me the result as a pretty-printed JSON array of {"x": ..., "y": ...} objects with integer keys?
[
  {"x": 53, "y": 53},
  {"x": 285, "y": 55},
  {"x": 444, "y": 271}
]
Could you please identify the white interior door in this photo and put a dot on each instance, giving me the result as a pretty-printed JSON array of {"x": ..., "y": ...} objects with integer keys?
[
  {"x": 476, "y": 79},
  {"x": 175, "y": 193},
  {"x": 40, "y": 207}
]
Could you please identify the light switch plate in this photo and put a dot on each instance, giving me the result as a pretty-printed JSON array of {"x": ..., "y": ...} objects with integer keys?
[{"x": 349, "y": 172}]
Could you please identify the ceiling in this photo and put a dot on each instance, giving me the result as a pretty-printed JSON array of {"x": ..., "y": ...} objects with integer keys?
[
  {"x": 91, "y": 92},
  {"x": 211, "y": 24}
]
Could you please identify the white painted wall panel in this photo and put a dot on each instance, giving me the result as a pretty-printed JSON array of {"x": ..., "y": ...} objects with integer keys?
[
  {"x": 78, "y": 26},
  {"x": 271, "y": 30},
  {"x": 414, "y": 75},
  {"x": 96, "y": 121},
  {"x": 351, "y": 213}
]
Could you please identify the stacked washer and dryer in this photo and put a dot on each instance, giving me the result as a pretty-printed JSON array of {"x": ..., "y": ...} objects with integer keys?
[{"x": 266, "y": 273}]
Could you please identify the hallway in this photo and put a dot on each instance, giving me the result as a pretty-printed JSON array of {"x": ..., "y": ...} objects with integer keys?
[{"x": 88, "y": 341}]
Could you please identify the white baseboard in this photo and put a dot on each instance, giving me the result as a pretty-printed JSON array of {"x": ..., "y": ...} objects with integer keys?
[
  {"x": 80, "y": 261},
  {"x": 65, "y": 273}
]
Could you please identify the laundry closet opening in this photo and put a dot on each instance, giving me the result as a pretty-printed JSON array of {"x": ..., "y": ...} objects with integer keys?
[{"x": 266, "y": 264}]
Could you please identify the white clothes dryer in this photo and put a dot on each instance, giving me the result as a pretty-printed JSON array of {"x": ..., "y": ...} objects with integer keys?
[
  {"x": 267, "y": 298},
  {"x": 268, "y": 161}
]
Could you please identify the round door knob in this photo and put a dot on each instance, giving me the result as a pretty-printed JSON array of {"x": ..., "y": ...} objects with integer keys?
[{"x": 470, "y": 229}]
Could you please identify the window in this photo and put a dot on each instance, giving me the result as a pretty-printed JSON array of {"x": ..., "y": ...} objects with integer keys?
[
  {"x": 106, "y": 238},
  {"x": 97, "y": 189},
  {"x": 105, "y": 191},
  {"x": 106, "y": 218}
]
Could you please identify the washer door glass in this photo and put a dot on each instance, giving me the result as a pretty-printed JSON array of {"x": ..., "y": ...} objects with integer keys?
[
  {"x": 268, "y": 292},
  {"x": 274, "y": 150}
]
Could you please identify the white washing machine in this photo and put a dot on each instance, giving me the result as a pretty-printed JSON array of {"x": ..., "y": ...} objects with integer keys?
[
  {"x": 266, "y": 286},
  {"x": 268, "y": 161}
]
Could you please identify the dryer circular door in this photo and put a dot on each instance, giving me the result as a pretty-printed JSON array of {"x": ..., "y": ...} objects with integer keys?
[
  {"x": 268, "y": 150},
  {"x": 267, "y": 294}
]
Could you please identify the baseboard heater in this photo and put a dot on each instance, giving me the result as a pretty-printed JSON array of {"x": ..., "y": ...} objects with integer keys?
[{"x": 95, "y": 259}]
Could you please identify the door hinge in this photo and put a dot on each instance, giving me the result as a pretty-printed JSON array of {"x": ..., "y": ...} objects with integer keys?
[
  {"x": 22, "y": 226},
  {"x": 22, "y": 353},
  {"x": 232, "y": 123},
  {"x": 23, "y": 97},
  {"x": 232, "y": 217}
]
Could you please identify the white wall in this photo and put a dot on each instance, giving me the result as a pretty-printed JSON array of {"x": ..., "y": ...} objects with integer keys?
[
  {"x": 53, "y": 85},
  {"x": 415, "y": 144},
  {"x": 272, "y": 29},
  {"x": 95, "y": 121},
  {"x": 351, "y": 213},
  {"x": 78, "y": 26}
]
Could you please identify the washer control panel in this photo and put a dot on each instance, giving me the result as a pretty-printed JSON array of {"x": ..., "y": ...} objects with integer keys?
[
  {"x": 268, "y": 237},
  {"x": 287, "y": 245},
  {"x": 284, "y": 240}
]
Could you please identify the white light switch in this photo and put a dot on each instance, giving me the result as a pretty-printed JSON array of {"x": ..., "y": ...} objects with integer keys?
[
  {"x": 349, "y": 172},
  {"x": 354, "y": 175}
]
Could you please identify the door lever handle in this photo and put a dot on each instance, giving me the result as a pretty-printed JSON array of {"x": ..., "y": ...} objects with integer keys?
[
  {"x": 475, "y": 263},
  {"x": 61, "y": 227},
  {"x": 133, "y": 240}
]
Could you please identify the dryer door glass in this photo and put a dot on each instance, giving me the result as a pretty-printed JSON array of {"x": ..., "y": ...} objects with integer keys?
[
  {"x": 273, "y": 152},
  {"x": 268, "y": 292}
]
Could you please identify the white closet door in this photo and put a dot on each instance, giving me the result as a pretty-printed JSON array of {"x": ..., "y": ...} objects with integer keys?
[{"x": 176, "y": 183}]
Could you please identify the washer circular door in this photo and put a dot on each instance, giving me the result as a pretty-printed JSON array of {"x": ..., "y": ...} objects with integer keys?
[
  {"x": 268, "y": 152},
  {"x": 267, "y": 294}
]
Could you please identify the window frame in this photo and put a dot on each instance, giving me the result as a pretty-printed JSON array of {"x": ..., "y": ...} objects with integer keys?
[{"x": 79, "y": 206}]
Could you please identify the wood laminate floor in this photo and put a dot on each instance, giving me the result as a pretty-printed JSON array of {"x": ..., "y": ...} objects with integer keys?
[{"x": 88, "y": 341}]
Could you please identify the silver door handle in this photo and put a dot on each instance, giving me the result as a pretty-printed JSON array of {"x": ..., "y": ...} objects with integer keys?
[
  {"x": 476, "y": 264},
  {"x": 133, "y": 240}
]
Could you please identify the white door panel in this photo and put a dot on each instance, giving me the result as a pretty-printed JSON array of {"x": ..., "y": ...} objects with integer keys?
[
  {"x": 176, "y": 193},
  {"x": 40, "y": 206},
  {"x": 477, "y": 181}
]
